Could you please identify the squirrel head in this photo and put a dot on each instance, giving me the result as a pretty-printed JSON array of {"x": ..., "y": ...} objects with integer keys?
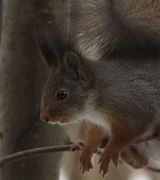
[
  {"x": 69, "y": 80},
  {"x": 65, "y": 92}
]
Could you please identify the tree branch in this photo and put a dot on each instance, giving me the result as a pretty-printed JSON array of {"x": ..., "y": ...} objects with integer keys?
[
  {"x": 36, "y": 152},
  {"x": 44, "y": 150}
]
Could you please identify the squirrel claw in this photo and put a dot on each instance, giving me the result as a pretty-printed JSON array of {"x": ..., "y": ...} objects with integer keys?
[
  {"x": 86, "y": 164},
  {"x": 115, "y": 159},
  {"x": 104, "y": 171},
  {"x": 85, "y": 168},
  {"x": 99, "y": 161},
  {"x": 104, "y": 167},
  {"x": 105, "y": 160}
]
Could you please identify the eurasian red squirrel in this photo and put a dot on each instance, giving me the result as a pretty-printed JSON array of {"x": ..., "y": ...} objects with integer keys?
[{"x": 119, "y": 97}]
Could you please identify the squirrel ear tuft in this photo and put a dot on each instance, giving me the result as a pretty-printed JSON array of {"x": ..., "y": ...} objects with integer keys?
[
  {"x": 48, "y": 54},
  {"x": 42, "y": 35},
  {"x": 72, "y": 60}
]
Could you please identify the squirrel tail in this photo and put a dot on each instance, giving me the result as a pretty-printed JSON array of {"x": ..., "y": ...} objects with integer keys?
[
  {"x": 96, "y": 27},
  {"x": 90, "y": 26}
]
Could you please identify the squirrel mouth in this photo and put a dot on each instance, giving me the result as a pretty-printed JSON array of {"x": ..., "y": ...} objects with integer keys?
[
  {"x": 63, "y": 121},
  {"x": 58, "y": 121}
]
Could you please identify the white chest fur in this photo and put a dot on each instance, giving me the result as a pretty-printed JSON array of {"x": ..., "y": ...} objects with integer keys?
[
  {"x": 91, "y": 114},
  {"x": 100, "y": 119},
  {"x": 95, "y": 117}
]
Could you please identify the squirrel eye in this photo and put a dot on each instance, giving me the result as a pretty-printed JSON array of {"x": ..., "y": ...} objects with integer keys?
[{"x": 61, "y": 95}]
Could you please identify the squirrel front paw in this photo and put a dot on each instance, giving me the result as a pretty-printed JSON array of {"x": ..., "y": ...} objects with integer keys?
[
  {"x": 85, "y": 158},
  {"x": 105, "y": 159}
]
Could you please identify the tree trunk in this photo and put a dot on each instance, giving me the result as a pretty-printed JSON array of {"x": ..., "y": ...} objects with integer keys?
[{"x": 23, "y": 74}]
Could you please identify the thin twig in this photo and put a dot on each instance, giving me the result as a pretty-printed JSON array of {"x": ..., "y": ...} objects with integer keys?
[
  {"x": 35, "y": 152},
  {"x": 38, "y": 151}
]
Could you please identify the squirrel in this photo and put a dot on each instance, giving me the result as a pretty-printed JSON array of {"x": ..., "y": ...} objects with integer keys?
[
  {"x": 109, "y": 28},
  {"x": 118, "y": 98}
]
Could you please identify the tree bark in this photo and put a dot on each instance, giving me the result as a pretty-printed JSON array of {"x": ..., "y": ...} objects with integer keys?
[{"x": 23, "y": 74}]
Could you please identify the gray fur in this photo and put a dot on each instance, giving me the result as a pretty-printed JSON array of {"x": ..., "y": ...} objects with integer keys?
[{"x": 129, "y": 87}]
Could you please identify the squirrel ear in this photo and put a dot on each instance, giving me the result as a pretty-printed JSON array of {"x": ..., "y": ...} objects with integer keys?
[
  {"x": 72, "y": 60},
  {"x": 84, "y": 73}
]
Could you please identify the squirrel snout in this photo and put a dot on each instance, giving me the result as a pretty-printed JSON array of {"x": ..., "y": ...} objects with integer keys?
[{"x": 44, "y": 116}]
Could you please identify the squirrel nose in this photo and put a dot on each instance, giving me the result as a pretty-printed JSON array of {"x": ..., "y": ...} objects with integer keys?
[{"x": 44, "y": 116}]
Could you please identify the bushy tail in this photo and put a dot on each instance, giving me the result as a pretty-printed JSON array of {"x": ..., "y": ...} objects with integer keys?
[
  {"x": 91, "y": 25},
  {"x": 95, "y": 26}
]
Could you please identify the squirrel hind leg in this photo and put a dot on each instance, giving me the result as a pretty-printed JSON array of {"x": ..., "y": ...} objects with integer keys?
[{"x": 135, "y": 158}]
